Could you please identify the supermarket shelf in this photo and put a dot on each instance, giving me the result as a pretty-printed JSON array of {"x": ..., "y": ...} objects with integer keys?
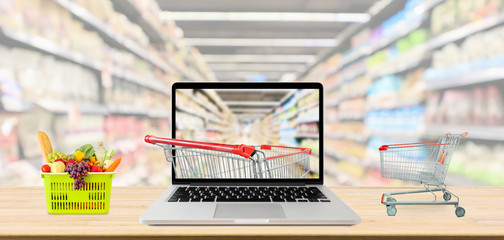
[
  {"x": 461, "y": 180},
  {"x": 121, "y": 109},
  {"x": 66, "y": 107},
  {"x": 396, "y": 134},
  {"x": 439, "y": 41},
  {"x": 364, "y": 51},
  {"x": 46, "y": 46},
  {"x": 307, "y": 107},
  {"x": 215, "y": 129},
  {"x": 20, "y": 106},
  {"x": 396, "y": 104},
  {"x": 91, "y": 109},
  {"x": 346, "y": 96},
  {"x": 405, "y": 29},
  {"x": 304, "y": 93},
  {"x": 464, "y": 31},
  {"x": 487, "y": 75},
  {"x": 184, "y": 72},
  {"x": 155, "y": 86},
  {"x": 307, "y": 119},
  {"x": 198, "y": 115},
  {"x": 358, "y": 116},
  {"x": 200, "y": 103},
  {"x": 124, "y": 43},
  {"x": 436, "y": 42},
  {"x": 355, "y": 74},
  {"x": 159, "y": 113},
  {"x": 289, "y": 115},
  {"x": 398, "y": 66},
  {"x": 127, "y": 8},
  {"x": 493, "y": 133},
  {"x": 357, "y": 137},
  {"x": 342, "y": 178},
  {"x": 179, "y": 108},
  {"x": 306, "y": 135},
  {"x": 332, "y": 87},
  {"x": 340, "y": 156}
]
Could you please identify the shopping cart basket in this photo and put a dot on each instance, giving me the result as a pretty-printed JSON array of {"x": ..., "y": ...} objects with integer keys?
[
  {"x": 192, "y": 159},
  {"x": 424, "y": 162}
]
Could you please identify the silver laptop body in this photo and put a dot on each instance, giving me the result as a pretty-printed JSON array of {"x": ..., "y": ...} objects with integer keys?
[{"x": 332, "y": 211}]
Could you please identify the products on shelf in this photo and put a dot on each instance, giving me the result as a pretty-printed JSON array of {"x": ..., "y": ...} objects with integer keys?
[
  {"x": 8, "y": 140},
  {"x": 352, "y": 107},
  {"x": 189, "y": 122},
  {"x": 409, "y": 119},
  {"x": 350, "y": 72},
  {"x": 206, "y": 101},
  {"x": 405, "y": 62},
  {"x": 308, "y": 100},
  {"x": 307, "y": 128},
  {"x": 353, "y": 130},
  {"x": 42, "y": 77},
  {"x": 479, "y": 106},
  {"x": 393, "y": 91},
  {"x": 199, "y": 118},
  {"x": 454, "y": 13},
  {"x": 356, "y": 88},
  {"x": 104, "y": 10},
  {"x": 479, "y": 162},
  {"x": 391, "y": 28},
  {"x": 310, "y": 115},
  {"x": 345, "y": 149},
  {"x": 398, "y": 54},
  {"x": 478, "y": 52}
]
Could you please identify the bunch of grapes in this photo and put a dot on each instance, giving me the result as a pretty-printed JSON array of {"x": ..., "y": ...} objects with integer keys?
[
  {"x": 78, "y": 171},
  {"x": 54, "y": 155}
]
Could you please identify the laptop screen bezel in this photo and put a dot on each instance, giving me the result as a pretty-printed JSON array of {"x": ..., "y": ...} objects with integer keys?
[{"x": 253, "y": 85}]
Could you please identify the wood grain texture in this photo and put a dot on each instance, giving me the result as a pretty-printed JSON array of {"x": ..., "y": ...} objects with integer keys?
[{"x": 23, "y": 215}]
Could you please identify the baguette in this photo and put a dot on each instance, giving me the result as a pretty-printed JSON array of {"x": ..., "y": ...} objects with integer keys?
[{"x": 45, "y": 145}]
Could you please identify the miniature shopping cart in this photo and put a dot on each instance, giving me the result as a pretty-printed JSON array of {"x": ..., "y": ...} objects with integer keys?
[
  {"x": 192, "y": 159},
  {"x": 425, "y": 162}
]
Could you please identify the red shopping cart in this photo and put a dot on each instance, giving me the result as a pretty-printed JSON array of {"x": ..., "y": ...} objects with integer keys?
[
  {"x": 424, "y": 162},
  {"x": 192, "y": 159}
]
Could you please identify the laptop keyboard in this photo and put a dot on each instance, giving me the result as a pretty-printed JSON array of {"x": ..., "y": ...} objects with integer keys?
[{"x": 248, "y": 194}]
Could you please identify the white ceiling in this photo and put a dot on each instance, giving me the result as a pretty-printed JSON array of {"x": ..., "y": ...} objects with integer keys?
[{"x": 229, "y": 42}]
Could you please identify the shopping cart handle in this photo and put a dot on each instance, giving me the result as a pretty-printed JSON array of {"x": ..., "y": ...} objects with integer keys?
[
  {"x": 383, "y": 148},
  {"x": 243, "y": 150}
]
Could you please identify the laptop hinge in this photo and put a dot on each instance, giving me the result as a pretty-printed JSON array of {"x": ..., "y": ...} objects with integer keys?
[{"x": 250, "y": 184}]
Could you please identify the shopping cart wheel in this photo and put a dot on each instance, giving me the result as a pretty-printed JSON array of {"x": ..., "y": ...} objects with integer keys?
[
  {"x": 447, "y": 196},
  {"x": 391, "y": 211},
  {"x": 460, "y": 211}
]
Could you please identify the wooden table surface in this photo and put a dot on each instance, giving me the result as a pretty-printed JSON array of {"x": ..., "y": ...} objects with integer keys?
[{"x": 23, "y": 215}]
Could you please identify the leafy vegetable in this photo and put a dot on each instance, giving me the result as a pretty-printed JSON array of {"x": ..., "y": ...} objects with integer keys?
[
  {"x": 88, "y": 150},
  {"x": 109, "y": 155}
]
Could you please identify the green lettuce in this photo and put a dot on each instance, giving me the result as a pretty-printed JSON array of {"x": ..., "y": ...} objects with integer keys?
[{"x": 88, "y": 150}]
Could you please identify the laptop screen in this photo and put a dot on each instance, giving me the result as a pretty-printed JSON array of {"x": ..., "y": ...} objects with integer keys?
[{"x": 247, "y": 133}]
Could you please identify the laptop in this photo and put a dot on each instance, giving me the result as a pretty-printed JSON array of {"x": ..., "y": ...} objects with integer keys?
[{"x": 246, "y": 153}]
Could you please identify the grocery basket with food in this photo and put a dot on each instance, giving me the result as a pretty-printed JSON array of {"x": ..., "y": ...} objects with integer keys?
[
  {"x": 192, "y": 159},
  {"x": 424, "y": 162},
  {"x": 80, "y": 182}
]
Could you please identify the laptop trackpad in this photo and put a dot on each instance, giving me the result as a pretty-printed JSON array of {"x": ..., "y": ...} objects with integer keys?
[{"x": 261, "y": 211}]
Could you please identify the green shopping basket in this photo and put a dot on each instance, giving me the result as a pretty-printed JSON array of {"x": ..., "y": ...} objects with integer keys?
[{"x": 92, "y": 198}]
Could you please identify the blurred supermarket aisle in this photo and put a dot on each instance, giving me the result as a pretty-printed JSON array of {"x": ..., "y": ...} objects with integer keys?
[
  {"x": 418, "y": 71},
  {"x": 280, "y": 117},
  {"x": 394, "y": 71}
]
